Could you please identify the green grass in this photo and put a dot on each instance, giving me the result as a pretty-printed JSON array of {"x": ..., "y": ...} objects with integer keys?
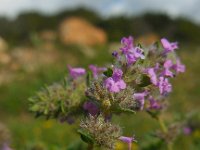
[{"x": 28, "y": 132}]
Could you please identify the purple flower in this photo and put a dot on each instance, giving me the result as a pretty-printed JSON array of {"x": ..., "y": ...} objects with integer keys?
[
  {"x": 167, "y": 66},
  {"x": 108, "y": 117},
  {"x": 91, "y": 108},
  {"x": 128, "y": 140},
  {"x": 168, "y": 47},
  {"x": 5, "y": 147},
  {"x": 178, "y": 67},
  {"x": 117, "y": 74},
  {"x": 69, "y": 119},
  {"x": 152, "y": 75},
  {"x": 187, "y": 130},
  {"x": 138, "y": 53},
  {"x": 164, "y": 86},
  {"x": 131, "y": 53},
  {"x": 76, "y": 72},
  {"x": 128, "y": 44},
  {"x": 115, "y": 83},
  {"x": 130, "y": 58},
  {"x": 115, "y": 54},
  {"x": 134, "y": 54},
  {"x": 114, "y": 86},
  {"x": 154, "y": 104},
  {"x": 140, "y": 98},
  {"x": 157, "y": 67},
  {"x": 96, "y": 70}
]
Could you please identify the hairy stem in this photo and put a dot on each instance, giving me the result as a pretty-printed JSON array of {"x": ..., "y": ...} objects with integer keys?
[
  {"x": 162, "y": 125},
  {"x": 165, "y": 130}
]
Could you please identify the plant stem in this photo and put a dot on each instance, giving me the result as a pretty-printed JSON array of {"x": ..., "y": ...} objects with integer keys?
[
  {"x": 170, "y": 146},
  {"x": 165, "y": 130},
  {"x": 162, "y": 125}
]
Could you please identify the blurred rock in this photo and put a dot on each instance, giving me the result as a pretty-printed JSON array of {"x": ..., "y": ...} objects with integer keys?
[
  {"x": 48, "y": 35},
  {"x": 30, "y": 59},
  {"x": 47, "y": 39},
  {"x": 6, "y": 77},
  {"x": 3, "y": 44},
  {"x": 24, "y": 58},
  {"x": 19, "y": 61},
  {"x": 78, "y": 31},
  {"x": 88, "y": 51},
  {"x": 148, "y": 39},
  {"x": 4, "y": 58}
]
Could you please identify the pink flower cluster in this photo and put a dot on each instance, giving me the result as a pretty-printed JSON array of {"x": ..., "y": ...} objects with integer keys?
[{"x": 159, "y": 74}]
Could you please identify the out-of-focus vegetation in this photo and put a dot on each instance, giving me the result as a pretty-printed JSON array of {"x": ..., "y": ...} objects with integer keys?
[
  {"x": 19, "y": 31},
  {"x": 39, "y": 134},
  {"x": 28, "y": 133}
]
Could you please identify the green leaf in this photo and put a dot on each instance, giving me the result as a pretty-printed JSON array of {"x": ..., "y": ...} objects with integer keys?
[
  {"x": 139, "y": 45},
  {"x": 85, "y": 137},
  {"x": 145, "y": 81},
  {"x": 153, "y": 114},
  {"x": 31, "y": 99},
  {"x": 88, "y": 78},
  {"x": 124, "y": 110},
  {"x": 62, "y": 106},
  {"x": 156, "y": 44},
  {"x": 108, "y": 72},
  {"x": 35, "y": 108},
  {"x": 128, "y": 111},
  {"x": 38, "y": 114},
  {"x": 46, "y": 111}
]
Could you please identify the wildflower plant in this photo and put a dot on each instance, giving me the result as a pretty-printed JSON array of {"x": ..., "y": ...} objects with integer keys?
[{"x": 138, "y": 80}]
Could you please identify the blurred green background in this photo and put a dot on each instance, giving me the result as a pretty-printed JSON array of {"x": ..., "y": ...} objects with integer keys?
[{"x": 35, "y": 49}]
